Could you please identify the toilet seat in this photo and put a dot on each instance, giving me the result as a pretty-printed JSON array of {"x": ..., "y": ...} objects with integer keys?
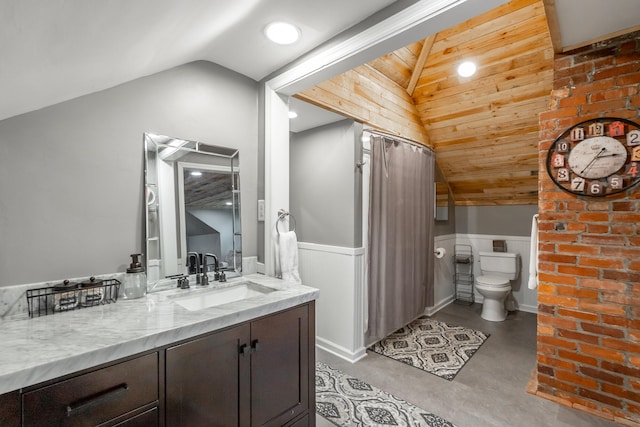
[{"x": 493, "y": 281}]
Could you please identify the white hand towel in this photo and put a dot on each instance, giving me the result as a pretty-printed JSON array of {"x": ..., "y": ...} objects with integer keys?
[
  {"x": 533, "y": 254},
  {"x": 288, "y": 245}
]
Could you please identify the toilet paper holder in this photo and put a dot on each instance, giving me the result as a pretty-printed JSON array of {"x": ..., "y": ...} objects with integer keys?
[{"x": 440, "y": 252}]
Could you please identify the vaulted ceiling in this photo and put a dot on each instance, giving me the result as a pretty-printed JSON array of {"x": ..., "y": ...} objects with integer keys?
[{"x": 483, "y": 129}]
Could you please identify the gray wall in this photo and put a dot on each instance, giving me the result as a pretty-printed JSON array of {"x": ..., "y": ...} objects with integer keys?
[
  {"x": 325, "y": 184},
  {"x": 71, "y": 174},
  {"x": 498, "y": 220}
]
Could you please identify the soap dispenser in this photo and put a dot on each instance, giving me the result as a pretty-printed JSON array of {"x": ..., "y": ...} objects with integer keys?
[{"x": 135, "y": 281}]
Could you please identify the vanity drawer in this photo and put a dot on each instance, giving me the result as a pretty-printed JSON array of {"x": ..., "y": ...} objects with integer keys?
[{"x": 95, "y": 397}]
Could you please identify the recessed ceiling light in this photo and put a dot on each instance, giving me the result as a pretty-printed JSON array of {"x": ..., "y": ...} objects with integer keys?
[
  {"x": 282, "y": 33},
  {"x": 467, "y": 69},
  {"x": 293, "y": 114}
]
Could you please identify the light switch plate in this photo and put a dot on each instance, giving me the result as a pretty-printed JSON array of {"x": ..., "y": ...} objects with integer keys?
[{"x": 260, "y": 210}]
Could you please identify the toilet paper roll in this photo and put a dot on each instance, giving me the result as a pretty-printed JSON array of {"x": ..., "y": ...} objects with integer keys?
[{"x": 440, "y": 252}]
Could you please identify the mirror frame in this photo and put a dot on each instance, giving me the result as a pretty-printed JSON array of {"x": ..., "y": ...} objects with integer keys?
[{"x": 155, "y": 244}]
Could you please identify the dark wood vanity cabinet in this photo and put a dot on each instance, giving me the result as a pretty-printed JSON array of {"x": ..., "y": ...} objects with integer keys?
[
  {"x": 259, "y": 373},
  {"x": 120, "y": 394}
]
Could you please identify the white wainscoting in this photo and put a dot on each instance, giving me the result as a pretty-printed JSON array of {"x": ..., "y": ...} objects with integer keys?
[
  {"x": 443, "y": 288},
  {"x": 340, "y": 311}
]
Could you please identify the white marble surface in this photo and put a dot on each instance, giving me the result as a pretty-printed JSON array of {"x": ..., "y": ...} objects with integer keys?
[{"x": 44, "y": 348}]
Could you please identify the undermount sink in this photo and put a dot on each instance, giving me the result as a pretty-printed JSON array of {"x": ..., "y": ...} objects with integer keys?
[{"x": 219, "y": 296}]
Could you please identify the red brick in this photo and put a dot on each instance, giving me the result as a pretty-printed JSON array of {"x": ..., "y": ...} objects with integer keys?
[
  {"x": 608, "y": 285},
  {"x": 554, "y": 383},
  {"x": 593, "y": 217},
  {"x": 561, "y": 301},
  {"x": 602, "y": 353},
  {"x": 578, "y": 292},
  {"x": 602, "y": 330},
  {"x": 603, "y": 240},
  {"x": 578, "y": 336},
  {"x": 624, "y": 229},
  {"x": 578, "y": 249},
  {"x": 578, "y": 271},
  {"x": 559, "y": 363},
  {"x": 623, "y": 206},
  {"x": 556, "y": 342},
  {"x": 579, "y": 380},
  {"x": 557, "y": 321},
  {"x": 621, "y": 275},
  {"x": 598, "y": 307},
  {"x": 612, "y": 94},
  {"x": 577, "y": 357},
  {"x": 621, "y": 369},
  {"x": 555, "y": 279},
  {"x": 590, "y": 394},
  {"x": 576, "y": 314},
  {"x": 632, "y": 79},
  {"x": 601, "y": 375},
  {"x": 605, "y": 106},
  {"x": 626, "y": 217},
  {"x": 557, "y": 258},
  {"x": 623, "y": 345},
  {"x": 616, "y": 71},
  {"x": 601, "y": 262},
  {"x": 594, "y": 228}
]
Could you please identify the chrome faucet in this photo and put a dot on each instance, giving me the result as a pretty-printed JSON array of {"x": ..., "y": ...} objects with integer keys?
[
  {"x": 216, "y": 273},
  {"x": 195, "y": 255}
]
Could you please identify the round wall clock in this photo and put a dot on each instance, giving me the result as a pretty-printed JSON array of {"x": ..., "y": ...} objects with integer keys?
[{"x": 597, "y": 157}]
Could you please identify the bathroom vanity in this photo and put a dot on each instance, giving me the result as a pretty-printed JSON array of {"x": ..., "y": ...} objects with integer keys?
[{"x": 151, "y": 361}]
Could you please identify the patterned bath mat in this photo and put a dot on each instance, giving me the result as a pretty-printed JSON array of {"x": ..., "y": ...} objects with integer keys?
[
  {"x": 346, "y": 401},
  {"x": 432, "y": 346}
]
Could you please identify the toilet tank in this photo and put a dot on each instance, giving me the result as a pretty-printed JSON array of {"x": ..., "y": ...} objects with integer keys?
[{"x": 503, "y": 264}]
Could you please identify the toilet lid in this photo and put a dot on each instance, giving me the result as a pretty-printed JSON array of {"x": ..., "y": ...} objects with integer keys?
[{"x": 492, "y": 281}]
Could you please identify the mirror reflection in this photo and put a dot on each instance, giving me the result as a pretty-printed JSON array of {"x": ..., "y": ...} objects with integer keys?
[
  {"x": 193, "y": 210},
  {"x": 442, "y": 201}
]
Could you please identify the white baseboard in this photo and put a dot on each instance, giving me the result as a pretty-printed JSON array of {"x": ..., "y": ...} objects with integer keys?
[
  {"x": 340, "y": 351},
  {"x": 430, "y": 311},
  {"x": 528, "y": 309}
]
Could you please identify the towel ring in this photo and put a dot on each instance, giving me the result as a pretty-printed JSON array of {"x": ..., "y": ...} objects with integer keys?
[{"x": 282, "y": 214}]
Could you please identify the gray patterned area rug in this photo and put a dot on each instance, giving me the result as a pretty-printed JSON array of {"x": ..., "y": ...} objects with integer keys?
[
  {"x": 346, "y": 401},
  {"x": 432, "y": 346}
]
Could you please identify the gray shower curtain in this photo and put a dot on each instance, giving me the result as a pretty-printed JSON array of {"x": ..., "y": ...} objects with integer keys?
[{"x": 401, "y": 210}]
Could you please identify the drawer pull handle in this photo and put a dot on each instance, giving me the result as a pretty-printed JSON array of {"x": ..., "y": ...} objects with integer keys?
[
  {"x": 244, "y": 349},
  {"x": 91, "y": 401},
  {"x": 255, "y": 345}
]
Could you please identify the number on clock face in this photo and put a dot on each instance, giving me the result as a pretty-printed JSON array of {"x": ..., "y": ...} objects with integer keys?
[
  {"x": 595, "y": 188},
  {"x": 615, "y": 182},
  {"x": 577, "y": 184},
  {"x": 633, "y": 137},
  {"x": 563, "y": 175}
]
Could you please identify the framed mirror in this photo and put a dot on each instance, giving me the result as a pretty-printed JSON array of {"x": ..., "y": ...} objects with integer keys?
[
  {"x": 192, "y": 208},
  {"x": 442, "y": 201}
]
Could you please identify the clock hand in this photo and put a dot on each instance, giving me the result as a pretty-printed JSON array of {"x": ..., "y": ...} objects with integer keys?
[{"x": 593, "y": 160}]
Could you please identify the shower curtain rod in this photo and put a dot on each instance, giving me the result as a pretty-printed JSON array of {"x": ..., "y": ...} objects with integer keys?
[{"x": 398, "y": 138}]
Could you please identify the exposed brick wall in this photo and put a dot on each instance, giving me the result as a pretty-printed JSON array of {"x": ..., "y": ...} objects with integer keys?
[{"x": 589, "y": 249}]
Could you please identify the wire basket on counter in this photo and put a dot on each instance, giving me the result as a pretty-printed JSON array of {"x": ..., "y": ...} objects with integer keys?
[{"x": 71, "y": 296}]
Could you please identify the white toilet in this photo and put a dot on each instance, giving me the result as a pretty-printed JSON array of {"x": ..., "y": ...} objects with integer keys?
[{"x": 497, "y": 269}]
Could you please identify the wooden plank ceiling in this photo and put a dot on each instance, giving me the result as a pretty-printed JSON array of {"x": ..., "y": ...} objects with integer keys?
[{"x": 484, "y": 129}]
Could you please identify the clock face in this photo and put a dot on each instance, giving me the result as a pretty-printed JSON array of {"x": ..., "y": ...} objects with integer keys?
[{"x": 597, "y": 157}]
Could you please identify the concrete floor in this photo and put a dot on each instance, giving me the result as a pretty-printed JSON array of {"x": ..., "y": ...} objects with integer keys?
[{"x": 489, "y": 391}]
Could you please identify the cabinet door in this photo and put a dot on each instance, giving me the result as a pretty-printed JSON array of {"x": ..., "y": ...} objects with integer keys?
[
  {"x": 279, "y": 367},
  {"x": 206, "y": 379},
  {"x": 10, "y": 409}
]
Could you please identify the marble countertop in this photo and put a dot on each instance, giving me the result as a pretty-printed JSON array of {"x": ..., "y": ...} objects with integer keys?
[{"x": 44, "y": 348}]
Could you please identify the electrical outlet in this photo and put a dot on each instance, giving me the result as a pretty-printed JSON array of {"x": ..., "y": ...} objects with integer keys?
[{"x": 260, "y": 210}]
